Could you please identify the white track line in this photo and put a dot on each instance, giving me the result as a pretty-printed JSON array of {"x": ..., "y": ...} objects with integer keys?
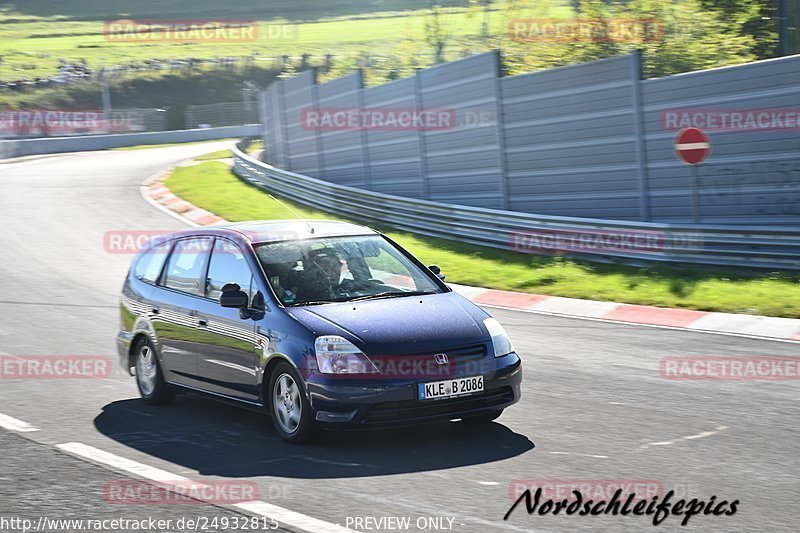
[
  {"x": 292, "y": 519},
  {"x": 702, "y": 435},
  {"x": 120, "y": 463},
  {"x": 16, "y": 425}
]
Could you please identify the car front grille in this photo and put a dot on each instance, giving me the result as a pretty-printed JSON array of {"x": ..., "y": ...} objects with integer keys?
[{"x": 461, "y": 355}]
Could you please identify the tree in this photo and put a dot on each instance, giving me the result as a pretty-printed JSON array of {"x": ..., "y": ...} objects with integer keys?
[
  {"x": 435, "y": 34},
  {"x": 755, "y": 18},
  {"x": 601, "y": 44},
  {"x": 690, "y": 38}
]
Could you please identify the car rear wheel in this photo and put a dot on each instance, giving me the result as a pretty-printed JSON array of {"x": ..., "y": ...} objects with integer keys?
[
  {"x": 483, "y": 418},
  {"x": 291, "y": 413},
  {"x": 149, "y": 378}
]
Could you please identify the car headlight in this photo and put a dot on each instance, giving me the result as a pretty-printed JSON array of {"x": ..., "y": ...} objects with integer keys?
[
  {"x": 337, "y": 355},
  {"x": 500, "y": 341}
]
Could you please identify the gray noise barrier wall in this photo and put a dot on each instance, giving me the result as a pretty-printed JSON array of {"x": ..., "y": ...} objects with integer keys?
[{"x": 592, "y": 140}]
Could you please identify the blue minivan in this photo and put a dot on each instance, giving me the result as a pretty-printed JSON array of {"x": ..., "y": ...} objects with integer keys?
[{"x": 321, "y": 324}]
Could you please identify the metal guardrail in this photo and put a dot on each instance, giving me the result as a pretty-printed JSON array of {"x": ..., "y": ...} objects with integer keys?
[{"x": 632, "y": 243}]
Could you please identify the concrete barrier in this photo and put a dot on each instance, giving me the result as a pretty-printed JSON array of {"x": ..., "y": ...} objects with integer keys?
[{"x": 55, "y": 145}]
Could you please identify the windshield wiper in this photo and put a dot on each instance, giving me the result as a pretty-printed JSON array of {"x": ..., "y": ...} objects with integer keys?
[
  {"x": 387, "y": 294},
  {"x": 313, "y": 302}
]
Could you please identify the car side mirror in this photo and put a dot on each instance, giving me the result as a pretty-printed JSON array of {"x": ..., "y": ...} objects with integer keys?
[
  {"x": 436, "y": 270},
  {"x": 233, "y": 296}
]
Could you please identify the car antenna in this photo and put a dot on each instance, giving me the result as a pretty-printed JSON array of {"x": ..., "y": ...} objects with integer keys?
[{"x": 295, "y": 213}]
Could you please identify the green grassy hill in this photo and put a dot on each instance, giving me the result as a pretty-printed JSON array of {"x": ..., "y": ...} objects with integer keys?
[
  {"x": 35, "y": 34},
  {"x": 183, "y": 9}
]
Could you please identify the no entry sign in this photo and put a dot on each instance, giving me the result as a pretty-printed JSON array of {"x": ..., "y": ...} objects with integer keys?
[{"x": 692, "y": 146}]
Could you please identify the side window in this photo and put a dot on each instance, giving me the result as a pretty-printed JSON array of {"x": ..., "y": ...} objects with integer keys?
[
  {"x": 148, "y": 266},
  {"x": 228, "y": 265},
  {"x": 185, "y": 267}
]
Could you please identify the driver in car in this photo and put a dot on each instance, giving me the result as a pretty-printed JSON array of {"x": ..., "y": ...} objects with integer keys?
[{"x": 322, "y": 272}]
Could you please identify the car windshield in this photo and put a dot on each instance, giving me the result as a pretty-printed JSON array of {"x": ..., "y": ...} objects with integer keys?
[{"x": 340, "y": 269}]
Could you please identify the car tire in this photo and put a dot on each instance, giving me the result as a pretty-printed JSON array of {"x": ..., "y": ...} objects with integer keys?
[
  {"x": 289, "y": 407},
  {"x": 484, "y": 418},
  {"x": 149, "y": 377}
]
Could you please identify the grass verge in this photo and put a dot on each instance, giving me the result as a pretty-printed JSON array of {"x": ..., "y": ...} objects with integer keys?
[
  {"x": 219, "y": 155},
  {"x": 212, "y": 186}
]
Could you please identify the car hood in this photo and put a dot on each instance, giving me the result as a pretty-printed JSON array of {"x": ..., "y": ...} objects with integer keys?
[{"x": 406, "y": 325}]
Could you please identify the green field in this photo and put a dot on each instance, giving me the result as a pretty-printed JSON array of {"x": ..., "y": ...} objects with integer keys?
[
  {"x": 32, "y": 40},
  {"x": 212, "y": 186},
  {"x": 35, "y": 34},
  {"x": 181, "y": 9}
]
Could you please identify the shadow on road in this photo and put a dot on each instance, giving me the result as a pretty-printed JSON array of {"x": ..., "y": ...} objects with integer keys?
[{"x": 221, "y": 440}]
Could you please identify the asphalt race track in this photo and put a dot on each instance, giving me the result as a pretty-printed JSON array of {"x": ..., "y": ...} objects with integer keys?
[{"x": 594, "y": 405}]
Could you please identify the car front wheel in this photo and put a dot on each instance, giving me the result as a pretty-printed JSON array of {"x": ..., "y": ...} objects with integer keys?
[
  {"x": 291, "y": 413},
  {"x": 149, "y": 378}
]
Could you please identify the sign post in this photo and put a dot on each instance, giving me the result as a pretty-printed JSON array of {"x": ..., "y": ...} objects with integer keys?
[{"x": 692, "y": 146}]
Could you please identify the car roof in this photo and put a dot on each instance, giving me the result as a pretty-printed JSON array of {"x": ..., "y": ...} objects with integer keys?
[{"x": 265, "y": 231}]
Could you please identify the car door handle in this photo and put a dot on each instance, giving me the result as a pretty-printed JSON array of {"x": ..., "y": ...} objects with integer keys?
[
  {"x": 155, "y": 310},
  {"x": 202, "y": 322}
]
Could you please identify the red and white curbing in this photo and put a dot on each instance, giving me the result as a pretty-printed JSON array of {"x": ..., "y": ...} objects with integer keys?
[
  {"x": 745, "y": 325},
  {"x": 727, "y": 323},
  {"x": 158, "y": 193}
]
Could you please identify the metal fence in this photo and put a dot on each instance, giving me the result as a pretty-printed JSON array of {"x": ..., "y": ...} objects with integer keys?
[
  {"x": 587, "y": 140},
  {"x": 220, "y": 114},
  {"x": 45, "y": 123},
  {"x": 633, "y": 243}
]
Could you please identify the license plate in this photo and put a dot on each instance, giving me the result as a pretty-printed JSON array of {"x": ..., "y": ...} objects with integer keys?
[{"x": 450, "y": 388}]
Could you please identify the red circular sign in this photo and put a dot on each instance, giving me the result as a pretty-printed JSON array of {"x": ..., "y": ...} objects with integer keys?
[{"x": 692, "y": 146}]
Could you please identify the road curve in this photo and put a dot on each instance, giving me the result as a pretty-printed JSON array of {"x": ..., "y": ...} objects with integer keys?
[{"x": 594, "y": 406}]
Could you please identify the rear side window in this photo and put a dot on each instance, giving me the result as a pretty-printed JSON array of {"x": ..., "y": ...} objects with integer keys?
[
  {"x": 186, "y": 264},
  {"x": 227, "y": 265},
  {"x": 148, "y": 266}
]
